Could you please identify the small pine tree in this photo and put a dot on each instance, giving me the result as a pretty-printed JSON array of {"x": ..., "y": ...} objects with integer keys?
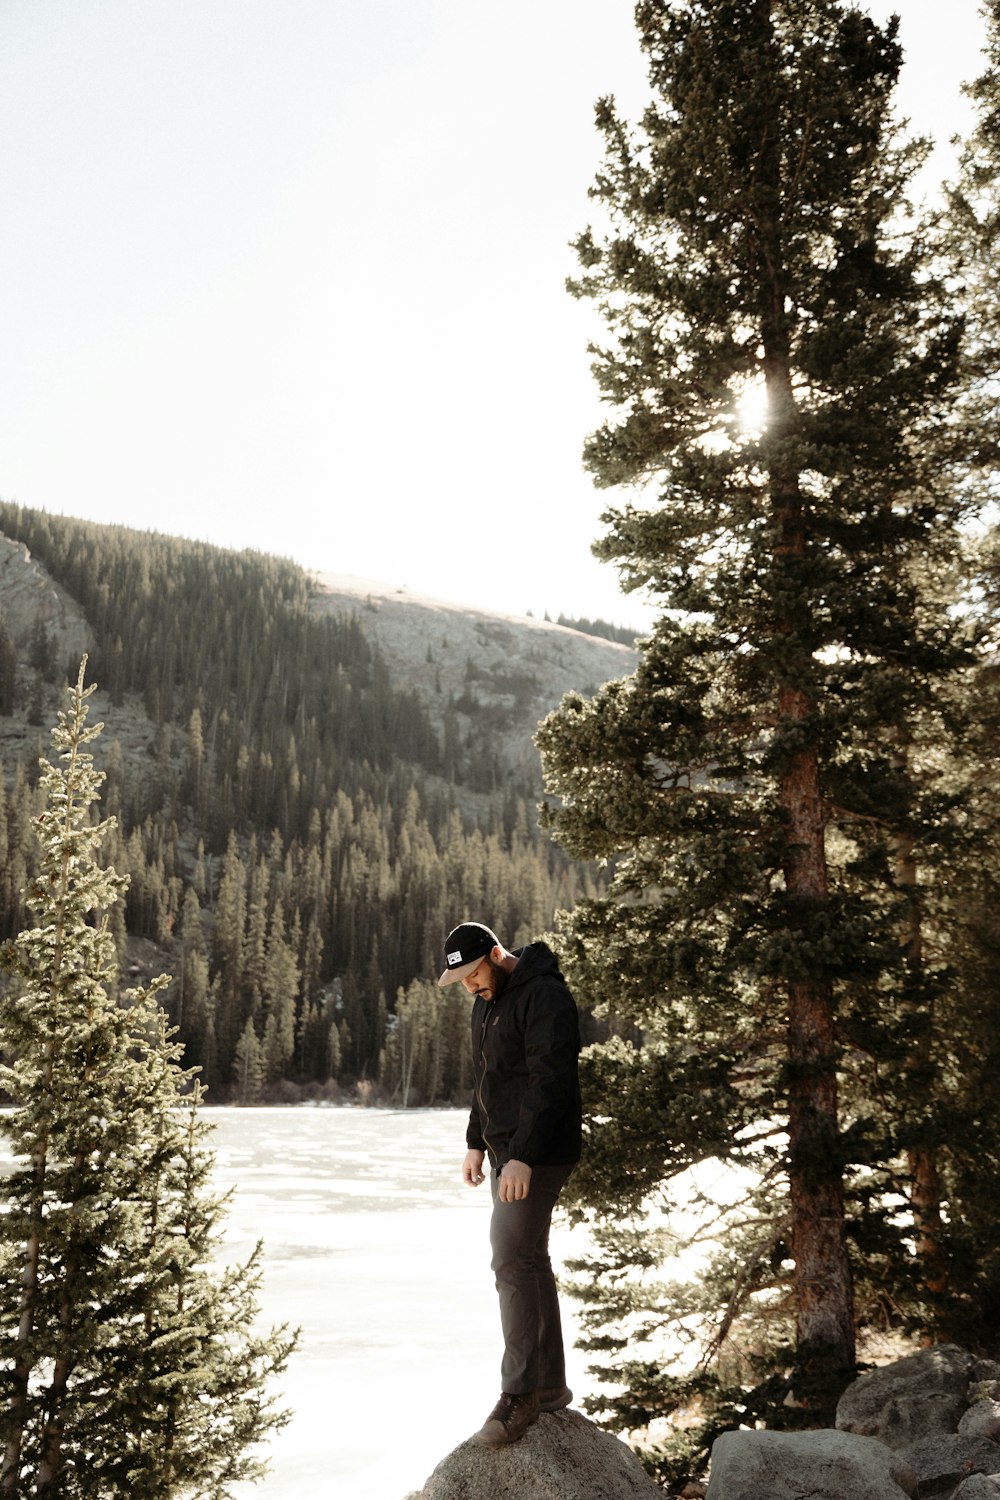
[
  {"x": 333, "y": 1051},
  {"x": 131, "y": 1365},
  {"x": 248, "y": 1066}
]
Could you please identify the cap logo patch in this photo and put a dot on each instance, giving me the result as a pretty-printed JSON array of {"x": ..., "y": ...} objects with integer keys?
[{"x": 454, "y": 958}]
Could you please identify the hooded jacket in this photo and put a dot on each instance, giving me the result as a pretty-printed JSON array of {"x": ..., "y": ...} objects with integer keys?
[{"x": 525, "y": 1045}]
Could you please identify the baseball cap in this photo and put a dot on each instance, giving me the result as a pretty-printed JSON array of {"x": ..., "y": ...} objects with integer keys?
[{"x": 465, "y": 947}]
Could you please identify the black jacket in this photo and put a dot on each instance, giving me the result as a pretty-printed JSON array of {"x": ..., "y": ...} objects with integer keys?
[{"x": 525, "y": 1045}]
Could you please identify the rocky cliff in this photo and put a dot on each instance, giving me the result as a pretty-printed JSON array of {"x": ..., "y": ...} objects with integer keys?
[{"x": 29, "y": 597}]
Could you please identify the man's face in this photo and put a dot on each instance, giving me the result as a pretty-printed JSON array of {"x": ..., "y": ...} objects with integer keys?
[{"x": 486, "y": 979}]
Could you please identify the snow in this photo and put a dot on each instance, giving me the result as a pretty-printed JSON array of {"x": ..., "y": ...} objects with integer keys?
[{"x": 378, "y": 1251}]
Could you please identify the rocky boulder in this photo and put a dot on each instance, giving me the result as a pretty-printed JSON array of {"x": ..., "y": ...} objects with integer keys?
[
  {"x": 825, "y": 1465},
  {"x": 911, "y": 1399},
  {"x": 562, "y": 1457},
  {"x": 924, "y": 1428},
  {"x": 979, "y": 1487},
  {"x": 942, "y": 1461},
  {"x": 981, "y": 1420}
]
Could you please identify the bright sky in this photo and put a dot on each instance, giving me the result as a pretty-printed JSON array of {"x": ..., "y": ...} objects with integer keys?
[{"x": 288, "y": 274}]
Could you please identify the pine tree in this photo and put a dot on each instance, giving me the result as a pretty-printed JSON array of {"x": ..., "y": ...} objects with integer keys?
[
  {"x": 8, "y": 670},
  {"x": 248, "y": 1066},
  {"x": 973, "y": 237},
  {"x": 228, "y": 921},
  {"x": 961, "y": 1120},
  {"x": 132, "y": 1367},
  {"x": 752, "y": 927},
  {"x": 281, "y": 987}
]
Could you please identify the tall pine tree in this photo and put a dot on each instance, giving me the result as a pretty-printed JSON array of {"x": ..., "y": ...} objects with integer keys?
[{"x": 778, "y": 351}]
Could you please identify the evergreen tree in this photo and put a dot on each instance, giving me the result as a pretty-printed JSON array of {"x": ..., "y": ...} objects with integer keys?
[
  {"x": 333, "y": 1051},
  {"x": 132, "y": 1367},
  {"x": 972, "y": 232},
  {"x": 281, "y": 986},
  {"x": 962, "y": 1121},
  {"x": 8, "y": 670},
  {"x": 411, "y": 1065},
  {"x": 752, "y": 929},
  {"x": 228, "y": 921},
  {"x": 248, "y": 1066}
]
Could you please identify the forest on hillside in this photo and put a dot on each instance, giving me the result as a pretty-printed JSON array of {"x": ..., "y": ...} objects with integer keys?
[{"x": 297, "y": 835}]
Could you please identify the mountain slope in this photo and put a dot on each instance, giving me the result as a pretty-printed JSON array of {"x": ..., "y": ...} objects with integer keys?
[
  {"x": 311, "y": 785},
  {"x": 496, "y": 674}
]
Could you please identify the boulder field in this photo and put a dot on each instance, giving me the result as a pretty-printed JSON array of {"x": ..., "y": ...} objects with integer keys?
[{"x": 926, "y": 1427}]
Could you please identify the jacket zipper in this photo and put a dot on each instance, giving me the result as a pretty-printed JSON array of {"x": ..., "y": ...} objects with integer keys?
[{"x": 482, "y": 1074}]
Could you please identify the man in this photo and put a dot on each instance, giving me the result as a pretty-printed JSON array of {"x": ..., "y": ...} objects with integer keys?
[{"x": 526, "y": 1116}]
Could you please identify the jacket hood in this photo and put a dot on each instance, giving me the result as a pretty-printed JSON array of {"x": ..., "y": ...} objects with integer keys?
[{"x": 532, "y": 962}]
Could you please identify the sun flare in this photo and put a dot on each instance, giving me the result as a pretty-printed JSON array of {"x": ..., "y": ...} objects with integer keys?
[{"x": 752, "y": 407}]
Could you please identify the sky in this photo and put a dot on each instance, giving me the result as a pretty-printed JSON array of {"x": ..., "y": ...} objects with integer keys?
[{"x": 289, "y": 275}]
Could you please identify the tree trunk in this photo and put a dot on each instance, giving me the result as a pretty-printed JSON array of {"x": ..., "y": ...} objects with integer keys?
[
  {"x": 824, "y": 1321},
  {"x": 822, "y": 1284},
  {"x": 925, "y": 1201},
  {"x": 925, "y": 1180}
]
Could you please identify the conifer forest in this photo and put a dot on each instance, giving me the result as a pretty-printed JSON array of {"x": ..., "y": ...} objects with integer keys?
[
  {"x": 296, "y": 835},
  {"x": 769, "y": 855}
]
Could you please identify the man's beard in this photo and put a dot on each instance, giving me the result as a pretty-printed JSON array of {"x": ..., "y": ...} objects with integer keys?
[{"x": 499, "y": 976}]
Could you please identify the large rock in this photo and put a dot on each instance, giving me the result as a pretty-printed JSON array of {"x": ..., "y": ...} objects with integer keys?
[
  {"x": 562, "y": 1457},
  {"x": 824, "y": 1464},
  {"x": 981, "y": 1420},
  {"x": 979, "y": 1487},
  {"x": 985, "y": 1382},
  {"x": 903, "y": 1402},
  {"x": 942, "y": 1461}
]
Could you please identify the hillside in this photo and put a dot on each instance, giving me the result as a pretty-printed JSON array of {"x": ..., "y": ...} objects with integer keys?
[
  {"x": 497, "y": 674},
  {"x": 312, "y": 781},
  {"x": 482, "y": 677}
]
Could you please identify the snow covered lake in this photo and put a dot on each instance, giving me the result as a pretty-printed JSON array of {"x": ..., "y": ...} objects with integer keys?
[
  {"x": 378, "y": 1252},
  {"x": 374, "y": 1246}
]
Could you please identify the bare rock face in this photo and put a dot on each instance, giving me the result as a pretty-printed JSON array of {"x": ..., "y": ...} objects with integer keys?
[
  {"x": 501, "y": 673},
  {"x": 29, "y": 597},
  {"x": 823, "y": 1465},
  {"x": 562, "y": 1457},
  {"x": 907, "y": 1401}
]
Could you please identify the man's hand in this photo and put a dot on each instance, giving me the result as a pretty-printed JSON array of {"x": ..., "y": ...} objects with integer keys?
[
  {"x": 515, "y": 1180},
  {"x": 472, "y": 1168}
]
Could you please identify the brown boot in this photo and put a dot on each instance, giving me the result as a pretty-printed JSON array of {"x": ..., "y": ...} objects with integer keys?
[
  {"x": 554, "y": 1397},
  {"x": 509, "y": 1420}
]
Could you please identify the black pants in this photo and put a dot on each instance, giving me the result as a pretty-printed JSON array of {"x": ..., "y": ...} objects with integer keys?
[{"x": 533, "y": 1355}]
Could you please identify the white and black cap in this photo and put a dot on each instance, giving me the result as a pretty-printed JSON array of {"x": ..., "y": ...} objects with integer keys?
[{"x": 465, "y": 947}]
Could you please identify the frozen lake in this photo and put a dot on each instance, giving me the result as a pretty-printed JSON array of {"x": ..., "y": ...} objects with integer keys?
[{"x": 374, "y": 1246}]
